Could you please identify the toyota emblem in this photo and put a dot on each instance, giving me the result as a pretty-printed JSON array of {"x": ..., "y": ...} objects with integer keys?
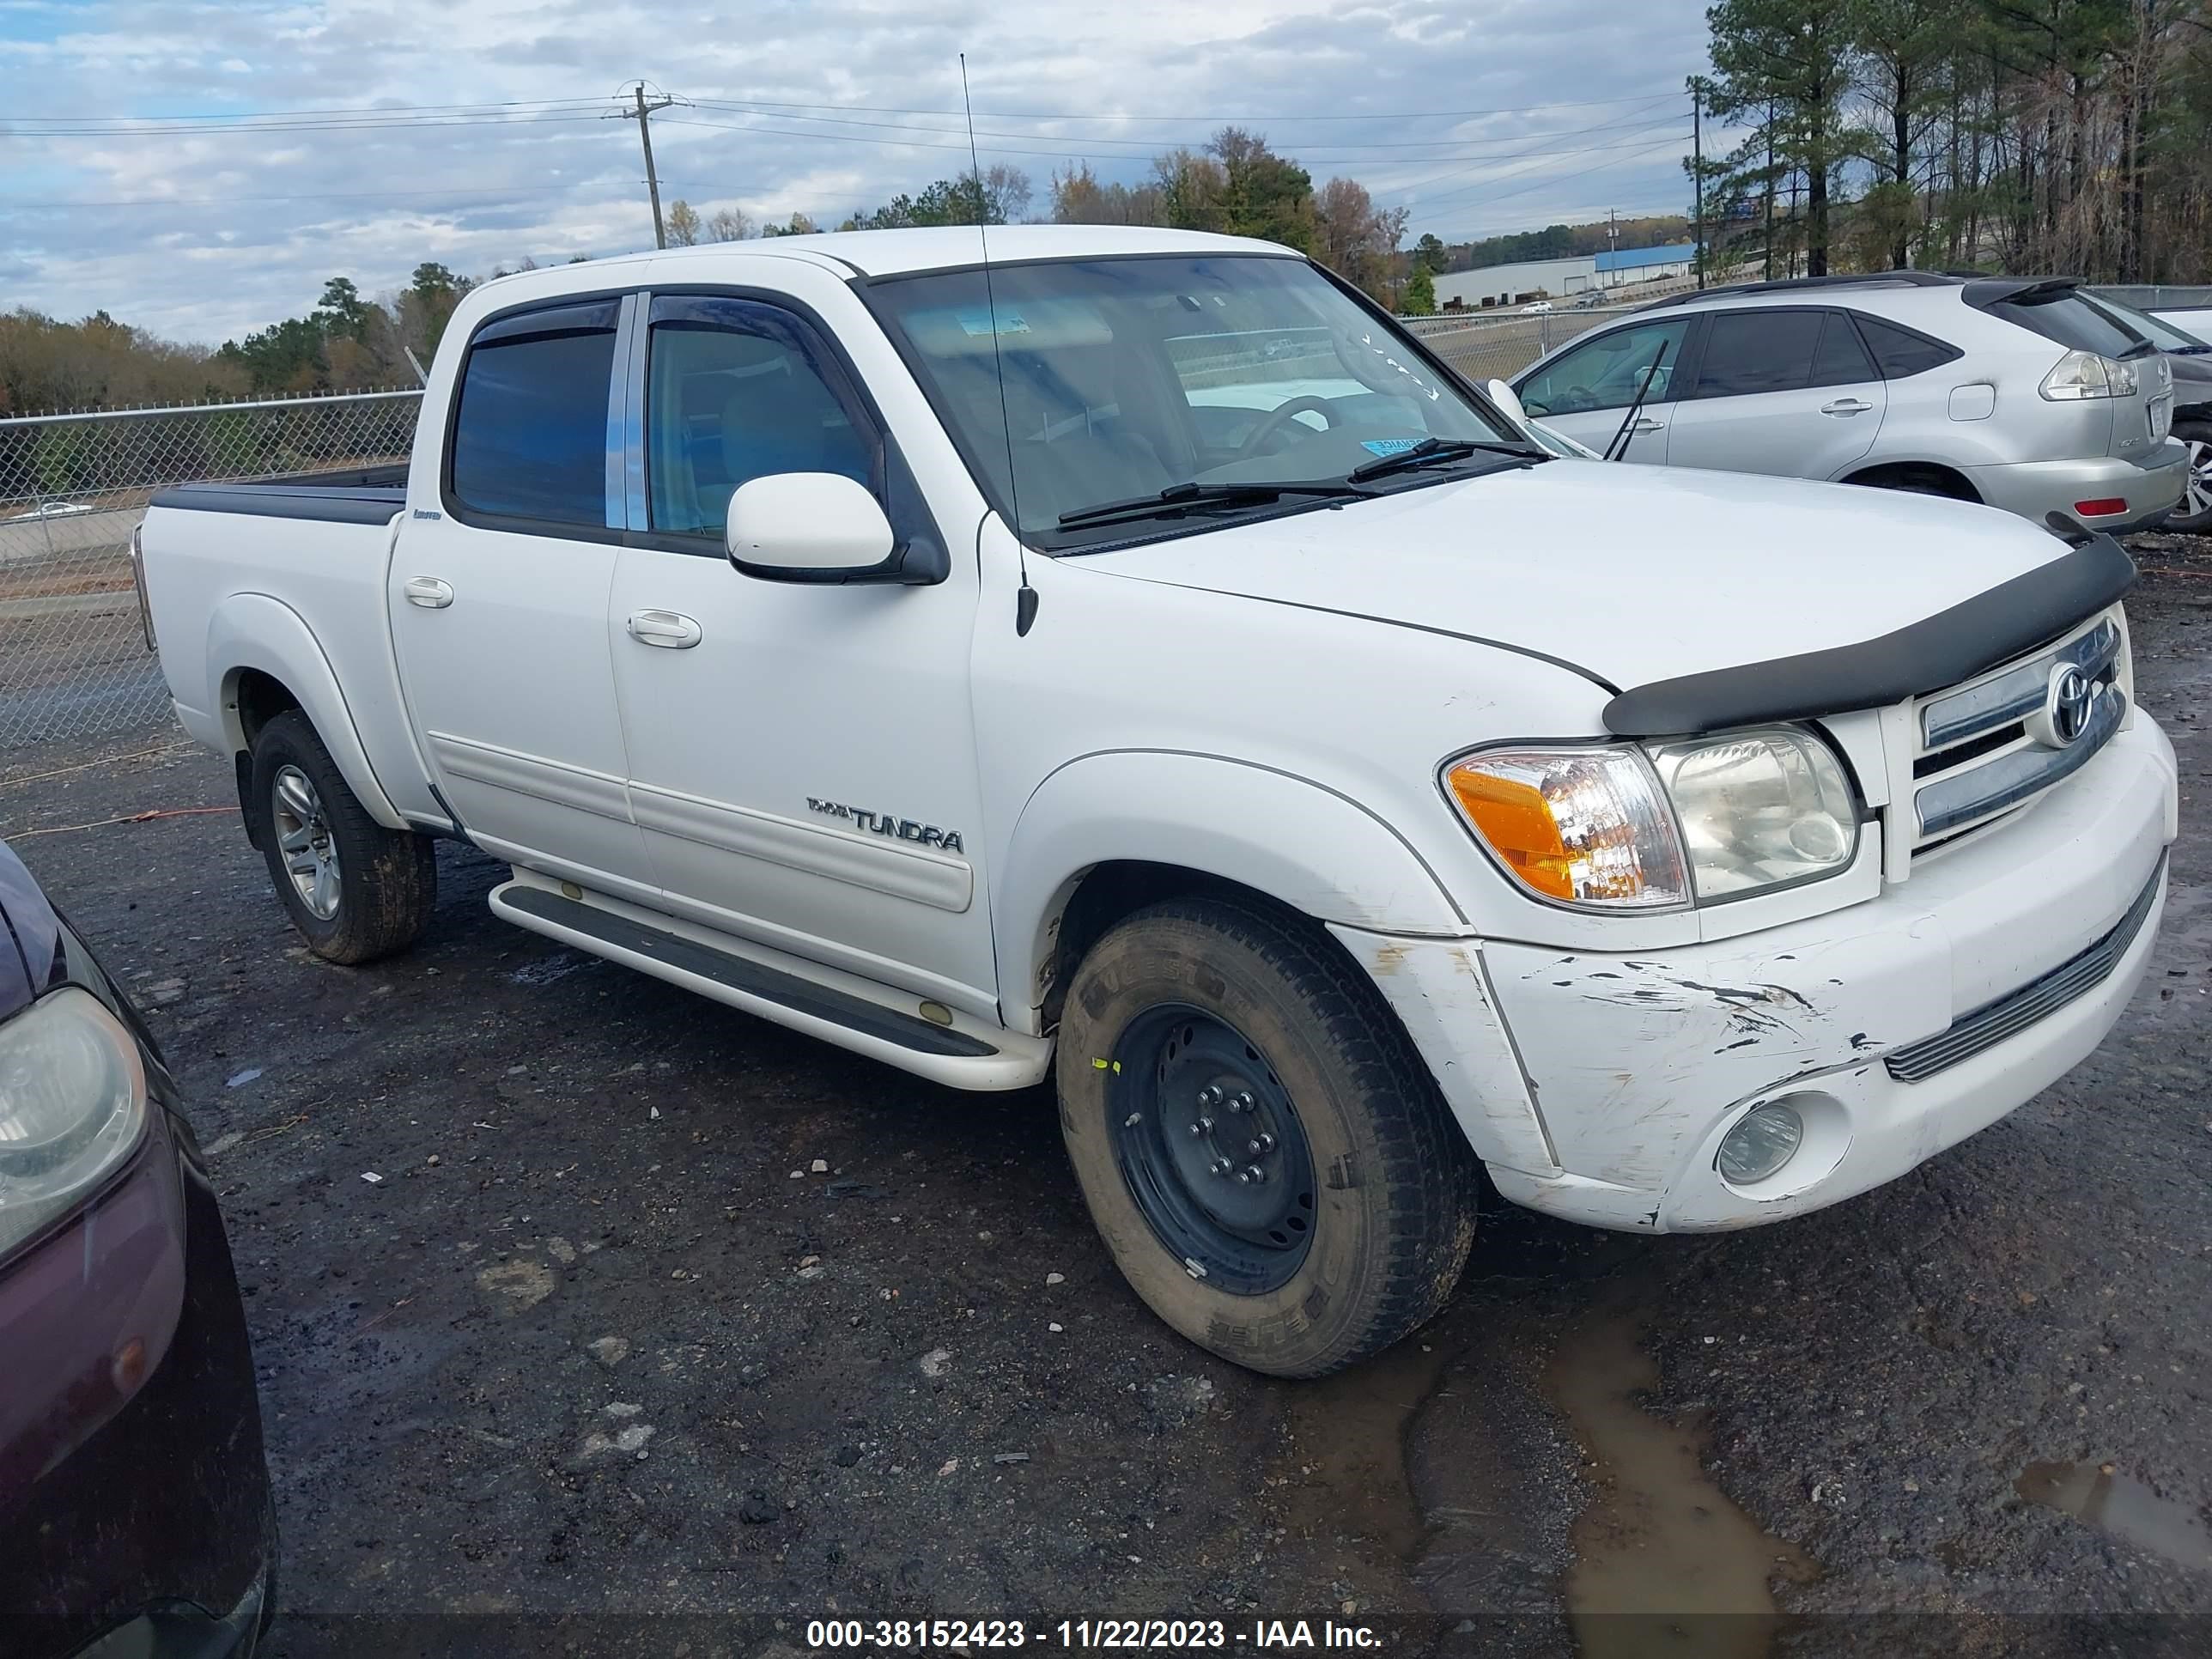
[{"x": 2073, "y": 694}]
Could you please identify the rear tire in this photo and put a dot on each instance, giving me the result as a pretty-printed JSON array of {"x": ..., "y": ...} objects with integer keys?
[
  {"x": 2194, "y": 516},
  {"x": 354, "y": 888},
  {"x": 1201, "y": 1032}
]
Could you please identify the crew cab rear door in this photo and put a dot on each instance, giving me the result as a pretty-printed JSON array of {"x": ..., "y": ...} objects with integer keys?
[{"x": 498, "y": 598}]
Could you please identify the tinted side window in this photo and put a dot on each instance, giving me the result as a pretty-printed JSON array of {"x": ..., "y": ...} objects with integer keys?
[
  {"x": 1606, "y": 373},
  {"x": 1749, "y": 351},
  {"x": 529, "y": 435},
  {"x": 737, "y": 391},
  {"x": 1841, "y": 360},
  {"x": 1901, "y": 353}
]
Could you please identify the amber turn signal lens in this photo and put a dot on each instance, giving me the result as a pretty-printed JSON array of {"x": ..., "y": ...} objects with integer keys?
[
  {"x": 1582, "y": 826},
  {"x": 1516, "y": 821}
]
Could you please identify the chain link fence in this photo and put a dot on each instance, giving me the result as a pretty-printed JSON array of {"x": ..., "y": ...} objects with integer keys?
[{"x": 74, "y": 661}]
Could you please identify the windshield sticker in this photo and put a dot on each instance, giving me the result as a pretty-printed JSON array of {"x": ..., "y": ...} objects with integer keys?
[
  {"x": 1388, "y": 446},
  {"x": 978, "y": 322}
]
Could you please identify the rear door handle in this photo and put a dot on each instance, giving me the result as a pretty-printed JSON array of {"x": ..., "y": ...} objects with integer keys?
[
  {"x": 428, "y": 593},
  {"x": 669, "y": 630},
  {"x": 1846, "y": 406}
]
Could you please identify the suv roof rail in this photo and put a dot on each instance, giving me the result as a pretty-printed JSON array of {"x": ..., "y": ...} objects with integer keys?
[{"x": 1791, "y": 284}]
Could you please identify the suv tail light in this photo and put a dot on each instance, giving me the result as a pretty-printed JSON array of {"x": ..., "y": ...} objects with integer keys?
[{"x": 2082, "y": 375}]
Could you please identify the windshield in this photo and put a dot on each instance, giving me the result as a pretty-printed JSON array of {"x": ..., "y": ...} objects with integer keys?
[{"x": 1125, "y": 378}]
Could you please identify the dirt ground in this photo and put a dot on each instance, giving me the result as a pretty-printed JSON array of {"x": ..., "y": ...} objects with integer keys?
[{"x": 593, "y": 1317}]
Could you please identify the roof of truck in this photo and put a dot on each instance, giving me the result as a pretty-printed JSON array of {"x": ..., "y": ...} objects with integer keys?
[{"x": 886, "y": 253}]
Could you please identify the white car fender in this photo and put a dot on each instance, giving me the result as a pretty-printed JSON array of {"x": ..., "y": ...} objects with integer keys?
[
  {"x": 256, "y": 631},
  {"x": 1299, "y": 842}
]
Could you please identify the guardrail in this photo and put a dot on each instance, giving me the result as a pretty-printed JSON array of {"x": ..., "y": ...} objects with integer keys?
[{"x": 73, "y": 662}]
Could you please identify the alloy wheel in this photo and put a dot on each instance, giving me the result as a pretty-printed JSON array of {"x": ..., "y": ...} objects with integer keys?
[{"x": 303, "y": 835}]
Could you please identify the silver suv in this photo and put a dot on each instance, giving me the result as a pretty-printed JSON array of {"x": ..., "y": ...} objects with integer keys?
[{"x": 2020, "y": 393}]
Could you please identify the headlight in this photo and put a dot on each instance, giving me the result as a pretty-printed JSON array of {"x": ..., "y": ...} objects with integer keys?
[
  {"x": 1584, "y": 826},
  {"x": 1759, "y": 809},
  {"x": 72, "y": 1107},
  {"x": 1613, "y": 829}
]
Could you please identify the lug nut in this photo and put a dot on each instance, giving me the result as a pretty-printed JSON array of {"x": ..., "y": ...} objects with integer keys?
[
  {"x": 1252, "y": 1175},
  {"x": 1220, "y": 1166},
  {"x": 1259, "y": 1144},
  {"x": 1210, "y": 1095},
  {"x": 1242, "y": 1103}
]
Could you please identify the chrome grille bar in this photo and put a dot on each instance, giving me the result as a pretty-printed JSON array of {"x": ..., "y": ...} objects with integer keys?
[
  {"x": 2013, "y": 1013},
  {"x": 1960, "y": 798},
  {"x": 2016, "y": 693}
]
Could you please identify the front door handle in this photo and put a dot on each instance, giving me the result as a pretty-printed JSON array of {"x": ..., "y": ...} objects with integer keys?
[
  {"x": 1846, "y": 406},
  {"x": 669, "y": 630},
  {"x": 428, "y": 593},
  {"x": 1645, "y": 423}
]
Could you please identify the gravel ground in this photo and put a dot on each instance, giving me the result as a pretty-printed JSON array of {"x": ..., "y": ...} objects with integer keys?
[{"x": 654, "y": 1309}]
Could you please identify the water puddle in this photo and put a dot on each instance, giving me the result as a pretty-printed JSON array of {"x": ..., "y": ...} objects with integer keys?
[
  {"x": 1350, "y": 1430},
  {"x": 2099, "y": 1495},
  {"x": 1663, "y": 1561}
]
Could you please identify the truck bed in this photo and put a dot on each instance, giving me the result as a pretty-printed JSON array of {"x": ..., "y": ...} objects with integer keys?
[{"x": 359, "y": 494}]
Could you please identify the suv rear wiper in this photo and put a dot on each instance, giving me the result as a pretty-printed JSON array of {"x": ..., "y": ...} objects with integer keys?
[
  {"x": 1191, "y": 496},
  {"x": 1430, "y": 450}
]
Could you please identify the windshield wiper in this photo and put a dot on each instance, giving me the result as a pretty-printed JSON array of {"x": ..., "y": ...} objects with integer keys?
[
  {"x": 1191, "y": 496},
  {"x": 1430, "y": 450}
]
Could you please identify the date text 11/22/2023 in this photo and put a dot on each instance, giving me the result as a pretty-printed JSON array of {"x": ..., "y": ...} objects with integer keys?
[{"x": 916, "y": 1634}]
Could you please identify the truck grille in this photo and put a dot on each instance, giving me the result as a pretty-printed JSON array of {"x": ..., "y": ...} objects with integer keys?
[
  {"x": 1988, "y": 747},
  {"x": 2016, "y": 1010}
]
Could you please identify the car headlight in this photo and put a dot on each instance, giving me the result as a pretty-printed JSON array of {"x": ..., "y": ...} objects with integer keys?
[
  {"x": 1759, "y": 809},
  {"x": 1617, "y": 828},
  {"x": 72, "y": 1108}
]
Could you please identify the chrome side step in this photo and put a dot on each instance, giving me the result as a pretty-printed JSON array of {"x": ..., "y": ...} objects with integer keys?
[{"x": 837, "y": 1007}]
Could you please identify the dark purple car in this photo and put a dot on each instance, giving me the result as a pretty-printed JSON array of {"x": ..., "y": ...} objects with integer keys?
[{"x": 134, "y": 1515}]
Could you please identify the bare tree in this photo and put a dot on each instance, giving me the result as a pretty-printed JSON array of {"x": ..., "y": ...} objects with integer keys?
[{"x": 728, "y": 225}]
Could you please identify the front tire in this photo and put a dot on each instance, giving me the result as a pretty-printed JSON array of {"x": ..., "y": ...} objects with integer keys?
[
  {"x": 1266, "y": 1157},
  {"x": 2194, "y": 516},
  {"x": 354, "y": 888}
]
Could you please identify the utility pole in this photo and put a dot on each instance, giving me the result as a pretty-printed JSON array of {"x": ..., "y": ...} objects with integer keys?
[
  {"x": 1698, "y": 172},
  {"x": 1769, "y": 191},
  {"x": 642, "y": 114}
]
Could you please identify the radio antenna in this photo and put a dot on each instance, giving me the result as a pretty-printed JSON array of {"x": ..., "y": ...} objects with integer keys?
[{"x": 1026, "y": 599}]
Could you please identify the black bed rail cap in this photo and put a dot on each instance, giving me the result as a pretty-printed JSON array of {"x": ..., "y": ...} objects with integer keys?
[{"x": 2010, "y": 619}]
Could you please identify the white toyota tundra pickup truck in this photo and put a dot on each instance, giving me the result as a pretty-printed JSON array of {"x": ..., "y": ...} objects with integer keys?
[{"x": 1133, "y": 661}]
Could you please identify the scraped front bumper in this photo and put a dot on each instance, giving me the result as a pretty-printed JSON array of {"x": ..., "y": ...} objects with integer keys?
[{"x": 1896, "y": 1027}]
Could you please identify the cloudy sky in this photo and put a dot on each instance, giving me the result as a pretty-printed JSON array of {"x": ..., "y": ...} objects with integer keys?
[{"x": 199, "y": 168}]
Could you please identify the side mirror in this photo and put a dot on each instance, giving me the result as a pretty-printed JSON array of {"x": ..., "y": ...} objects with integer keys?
[
  {"x": 1507, "y": 399},
  {"x": 822, "y": 527}
]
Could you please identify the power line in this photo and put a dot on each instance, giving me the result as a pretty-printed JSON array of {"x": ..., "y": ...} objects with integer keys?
[{"x": 405, "y": 112}]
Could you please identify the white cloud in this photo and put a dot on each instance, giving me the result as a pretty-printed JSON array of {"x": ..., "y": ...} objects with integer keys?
[{"x": 205, "y": 233}]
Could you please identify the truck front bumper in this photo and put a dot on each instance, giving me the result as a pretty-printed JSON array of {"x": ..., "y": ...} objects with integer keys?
[
  {"x": 2149, "y": 489},
  {"x": 1599, "y": 1087}
]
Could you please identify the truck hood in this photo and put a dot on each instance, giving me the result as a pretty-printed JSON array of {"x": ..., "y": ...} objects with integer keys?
[{"x": 1629, "y": 573}]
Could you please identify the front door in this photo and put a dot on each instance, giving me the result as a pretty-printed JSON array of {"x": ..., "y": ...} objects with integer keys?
[
  {"x": 802, "y": 757},
  {"x": 498, "y": 598},
  {"x": 1587, "y": 390},
  {"x": 1789, "y": 392}
]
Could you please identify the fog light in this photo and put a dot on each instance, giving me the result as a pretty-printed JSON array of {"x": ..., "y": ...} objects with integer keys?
[
  {"x": 2105, "y": 506},
  {"x": 1767, "y": 1139}
]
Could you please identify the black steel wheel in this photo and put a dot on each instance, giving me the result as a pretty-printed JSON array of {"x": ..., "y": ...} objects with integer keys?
[
  {"x": 1259, "y": 1142},
  {"x": 1212, "y": 1147}
]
